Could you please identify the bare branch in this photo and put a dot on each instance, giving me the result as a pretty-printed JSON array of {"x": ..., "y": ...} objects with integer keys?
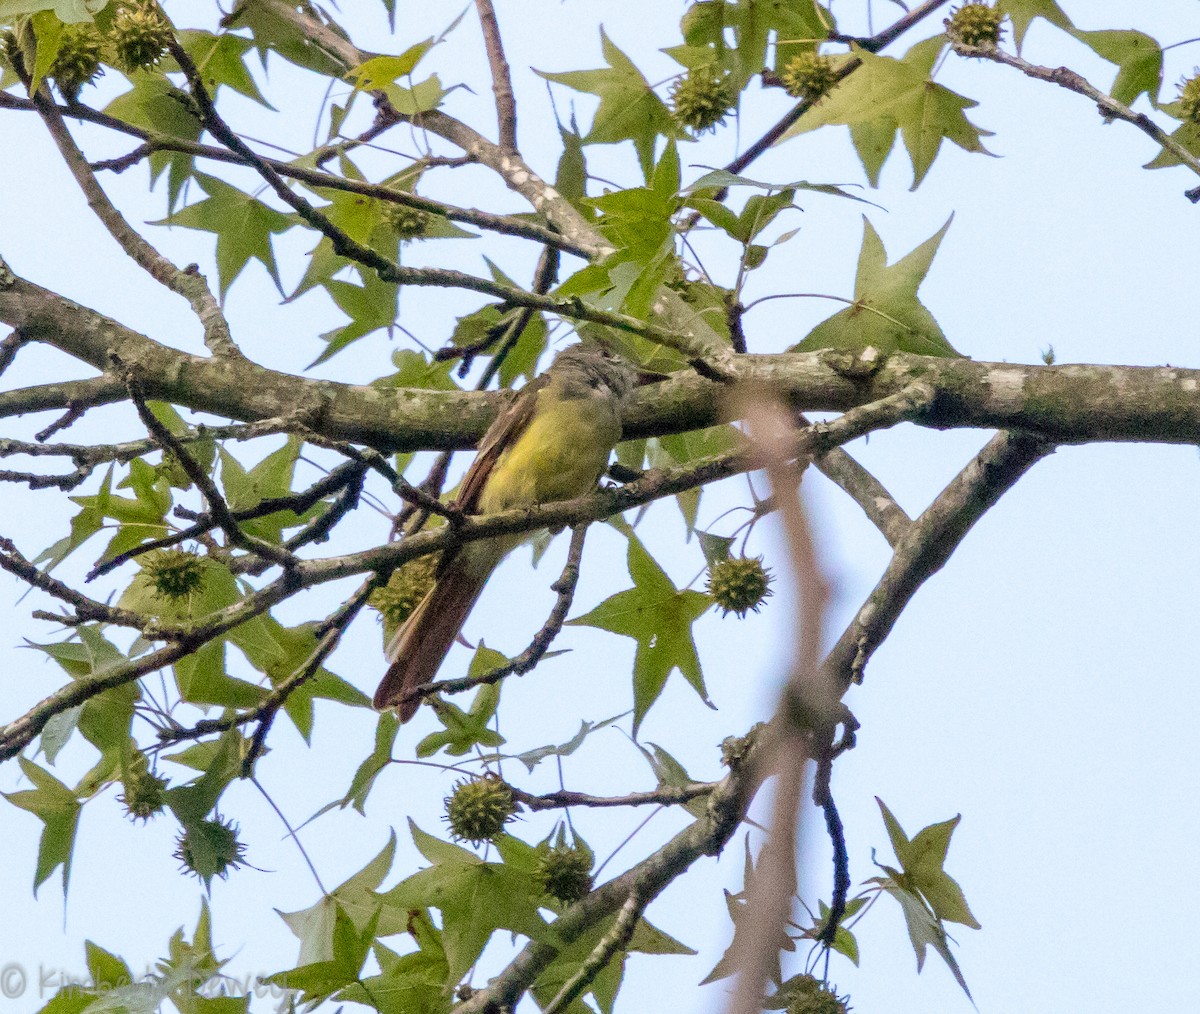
[
  {"x": 524, "y": 662},
  {"x": 1109, "y": 107},
  {"x": 665, "y": 795},
  {"x": 506, "y": 105},
  {"x": 929, "y": 544},
  {"x": 188, "y": 282}
]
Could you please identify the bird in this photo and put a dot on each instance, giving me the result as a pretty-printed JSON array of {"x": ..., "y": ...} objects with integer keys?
[{"x": 552, "y": 442}]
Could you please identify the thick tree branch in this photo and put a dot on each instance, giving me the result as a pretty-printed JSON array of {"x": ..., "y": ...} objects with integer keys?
[
  {"x": 1066, "y": 404},
  {"x": 929, "y": 544}
]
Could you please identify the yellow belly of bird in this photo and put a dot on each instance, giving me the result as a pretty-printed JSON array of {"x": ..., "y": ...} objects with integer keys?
[{"x": 561, "y": 454}]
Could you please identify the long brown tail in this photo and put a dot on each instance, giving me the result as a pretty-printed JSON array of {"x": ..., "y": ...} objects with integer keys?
[{"x": 420, "y": 645}]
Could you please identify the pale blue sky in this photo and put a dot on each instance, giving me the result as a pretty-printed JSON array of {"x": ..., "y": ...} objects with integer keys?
[{"x": 1043, "y": 685}]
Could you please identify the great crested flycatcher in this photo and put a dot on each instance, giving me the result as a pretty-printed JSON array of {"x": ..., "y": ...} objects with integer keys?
[{"x": 551, "y": 443}]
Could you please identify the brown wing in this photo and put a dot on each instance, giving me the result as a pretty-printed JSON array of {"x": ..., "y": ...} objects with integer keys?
[{"x": 501, "y": 435}]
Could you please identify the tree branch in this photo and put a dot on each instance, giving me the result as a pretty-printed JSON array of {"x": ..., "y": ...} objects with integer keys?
[
  {"x": 1111, "y": 109},
  {"x": 506, "y": 105},
  {"x": 645, "y": 881},
  {"x": 928, "y": 545},
  {"x": 188, "y": 283}
]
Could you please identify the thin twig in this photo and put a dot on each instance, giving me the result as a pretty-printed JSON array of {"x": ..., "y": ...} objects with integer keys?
[
  {"x": 666, "y": 795},
  {"x": 524, "y": 662},
  {"x": 186, "y": 282},
  {"x": 1109, "y": 107},
  {"x": 616, "y": 939},
  {"x": 217, "y": 506}
]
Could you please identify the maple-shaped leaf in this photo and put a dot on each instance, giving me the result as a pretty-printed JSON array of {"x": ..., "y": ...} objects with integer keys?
[
  {"x": 476, "y": 898},
  {"x": 927, "y": 894},
  {"x": 646, "y": 939},
  {"x": 1022, "y": 12},
  {"x": 57, "y": 807},
  {"x": 659, "y": 617},
  {"x": 356, "y": 900},
  {"x": 243, "y": 225},
  {"x": 157, "y": 105},
  {"x": 220, "y": 59},
  {"x": 413, "y": 983},
  {"x": 885, "y": 95},
  {"x": 922, "y": 860},
  {"x": 886, "y": 313},
  {"x": 629, "y": 109},
  {"x": 1139, "y": 57},
  {"x": 464, "y": 730}
]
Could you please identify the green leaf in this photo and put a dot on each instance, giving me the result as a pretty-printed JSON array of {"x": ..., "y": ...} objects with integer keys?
[
  {"x": 221, "y": 61},
  {"x": 157, "y": 105},
  {"x": 659, "y": 617},
  {"x": 378, "y": 759},
  {"x": 464, "y": 730},
  {"x": 1187, "y": 134},
  {"x": 413, "y": 983},
  {"x": 414, "y": 370},
  {"x": 646, "y": 939},
  {"x": 928, "y": 896},
  {"x": 57, "y": 807},
  {"x": 68, "y": 11},
  {"x": 475, "y": 898},
  {"x": 370, "y": 307},
  {"x": 885, "y": 95},
  {"x": 532, "y": 758},
  {"x": 714, "y": 547},
  {"x": 341, "y": 917},
  {"x": 629, "y": 109},
  {"x": 886, "y": 312},
  {"x": 380, "y": 71},
  {"x": 1138, "y": 56},
  {"x": 1022, "y": 12},
  {"x": 243, "y": 226},
  {"x": 671, "y": 774}
]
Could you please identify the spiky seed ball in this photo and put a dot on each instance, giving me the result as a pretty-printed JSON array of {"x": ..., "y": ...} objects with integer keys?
[
  {"x": 175, "y": 573},
  {"x": 1189, "y": 98},
  {"x": 139, "y": 36},
  {"x": 739, "y": 584},
  {"x": 564, "y": 872},
  {"x": 701, "y": 98},
  {"x": 807, "y": 994},
  {"x": 808, "y": 76},
  {"x": 479, "y": 808},
  {"x": 405, "y": 589},
  {"x": 405, "y": 221},
  {"x": 78, "y": 60},
  {"x": 210, "y": 849},
  {"x": 143, "y": 796},
  {"x": 975, "y": 24}
]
